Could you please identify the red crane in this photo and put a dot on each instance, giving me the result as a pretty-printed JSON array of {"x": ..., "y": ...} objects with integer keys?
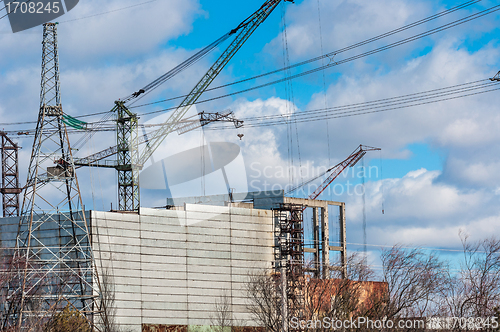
[{"x": 336, "y": 170}]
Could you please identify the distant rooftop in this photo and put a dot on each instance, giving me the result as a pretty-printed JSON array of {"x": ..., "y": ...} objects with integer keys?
[{"x": 265, "y": 200}]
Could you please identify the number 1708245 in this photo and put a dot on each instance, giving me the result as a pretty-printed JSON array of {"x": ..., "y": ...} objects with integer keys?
[{"x": 32, "y": 7}]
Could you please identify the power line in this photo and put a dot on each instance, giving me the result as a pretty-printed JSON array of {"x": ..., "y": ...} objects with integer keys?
[
  {"x": 422, "y": 35},
  {"x": 28, "y": 1},
  {"x": 382, "y": 105},
  {"x": 332, "y": 54},
  {"x": 387, "y": 101},
  {"x": 108, "y": 12},
  {"x": 348, "y": 111},
  {"x": 352, "y": 58}
]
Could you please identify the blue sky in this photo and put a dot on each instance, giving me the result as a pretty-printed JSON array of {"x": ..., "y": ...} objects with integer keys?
[{"x": 440, "y": 161}]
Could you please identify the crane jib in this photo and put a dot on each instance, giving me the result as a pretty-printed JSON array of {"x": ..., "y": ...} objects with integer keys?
[
  {"x": 131, "y": 160},
  {"x": 242, "y": 36}
]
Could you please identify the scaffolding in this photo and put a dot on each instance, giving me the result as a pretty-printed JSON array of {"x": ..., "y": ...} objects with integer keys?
[
  {"x": 10, "y": 177},
  {"x": 289, "y": 257}
]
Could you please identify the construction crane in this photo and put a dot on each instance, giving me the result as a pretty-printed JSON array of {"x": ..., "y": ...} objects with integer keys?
[
  {"x": 185, "y": 125},
  {"x": 336, "y": 170},
  {"x": 130, "y": 160}
]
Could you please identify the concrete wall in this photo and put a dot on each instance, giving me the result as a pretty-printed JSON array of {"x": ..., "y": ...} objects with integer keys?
[{"x": 169, "y": 266}]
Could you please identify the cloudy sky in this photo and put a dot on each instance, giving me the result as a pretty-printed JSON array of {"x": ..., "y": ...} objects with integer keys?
[{"x": 437, "y": 171}]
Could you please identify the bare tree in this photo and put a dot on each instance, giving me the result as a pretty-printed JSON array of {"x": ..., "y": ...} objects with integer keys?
[
  {"x": 475, "y": 290},
  {"x": 11, "y": 272},
  {"x": 414, "y": 280},
  {"x": 109, "y": 322},
  {"x": 263, "y": 291},
  {"x": 222, "y": 318},
  {"x": 336, "y": 297}
]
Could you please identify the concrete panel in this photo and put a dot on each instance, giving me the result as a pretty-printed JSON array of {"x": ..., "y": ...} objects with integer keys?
[
  {"x": 193, "y": 230},
  {"x": 209, "y": 277},
  {"x": 163, "y": 256},
  {"x": 168, "y": 316},
  {"x": 193, "y": 217},
  {"x": 207, "y": 208},
  {"x": 175, "y": 266},
  {"x": 165, "y": 305},
  {"x": 177, "y": 318},
  {"x": 164, "y": 290},
  {"x": 164, "y": 275},
  {"x": 209, "y": 238}
]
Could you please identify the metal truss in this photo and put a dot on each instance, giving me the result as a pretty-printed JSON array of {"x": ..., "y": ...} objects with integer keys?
[
  {"x": 128, "y": 154},
  {"x": 53, "y": 241},
  {"x": 10, "y": 177},
  {"x": 289, "y": 254}
]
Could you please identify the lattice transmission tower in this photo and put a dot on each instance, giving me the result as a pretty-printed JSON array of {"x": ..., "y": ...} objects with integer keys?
[{"x": 53, "y": 242}]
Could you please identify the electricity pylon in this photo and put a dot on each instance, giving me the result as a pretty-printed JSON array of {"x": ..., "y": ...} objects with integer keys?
[{"x": 53, "y": 244}]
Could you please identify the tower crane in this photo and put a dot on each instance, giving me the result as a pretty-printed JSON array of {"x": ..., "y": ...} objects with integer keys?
[
  {"x": 336, "y": 170},
  {"x": 130, "y": 160}
]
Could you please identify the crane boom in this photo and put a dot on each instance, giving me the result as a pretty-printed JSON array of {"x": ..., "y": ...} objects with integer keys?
[
  {"x": 130, "y": 160},
  {"x": 336, "y": 170},
  {"x": 185, "y": 125},
  {"x": 246, "y": 28}
]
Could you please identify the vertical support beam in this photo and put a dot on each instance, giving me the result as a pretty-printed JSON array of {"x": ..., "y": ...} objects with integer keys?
[
  {"x": 317, "y": 247},
  {"x": 10, "y": 177},
  {"x": 128, "y": 155},
  {"x": 342, "y": 235},
  {"x": 325, "y": 244},
  {"x": 284, "y": 298}
]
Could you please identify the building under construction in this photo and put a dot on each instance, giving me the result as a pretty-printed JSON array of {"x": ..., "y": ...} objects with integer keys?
[
  {"x": 169, "y": 267},
  {"x": 157, "y": 268}
]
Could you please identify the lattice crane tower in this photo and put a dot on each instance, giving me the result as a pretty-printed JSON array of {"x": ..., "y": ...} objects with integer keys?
[{"x": 53, "y": 240}]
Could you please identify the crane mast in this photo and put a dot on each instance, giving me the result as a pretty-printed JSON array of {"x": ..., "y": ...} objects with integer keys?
[{"x": 130, "y": 161}]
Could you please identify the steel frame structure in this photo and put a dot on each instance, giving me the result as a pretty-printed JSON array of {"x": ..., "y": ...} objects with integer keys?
[
  {"x": 289, "y": 255},
  {"x": 128, "y": 151},
  {"x": 53, "y": 241},
  {"x": 10, "y": 177}
]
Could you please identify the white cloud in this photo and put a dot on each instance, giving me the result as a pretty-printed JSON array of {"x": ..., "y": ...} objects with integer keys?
[
  {"x": 343, "y": 23},
  {"x": 110, "y": 56},
  {"x": 420, "y": 211}
]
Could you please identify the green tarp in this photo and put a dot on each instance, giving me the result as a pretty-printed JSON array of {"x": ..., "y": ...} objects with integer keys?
[{"x": 74, "y": 123}]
